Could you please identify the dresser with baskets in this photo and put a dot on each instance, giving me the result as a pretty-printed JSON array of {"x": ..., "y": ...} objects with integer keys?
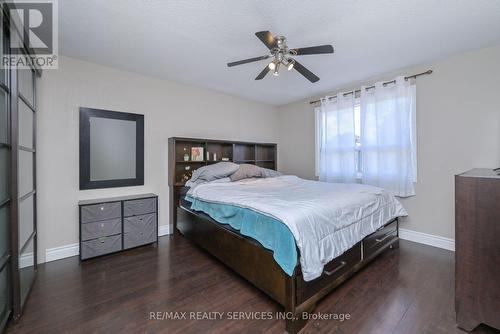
[{"x": 111, "y": 225}]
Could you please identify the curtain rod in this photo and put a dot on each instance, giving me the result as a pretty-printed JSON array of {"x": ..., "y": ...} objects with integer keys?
[{"x": 370, "y": 87}]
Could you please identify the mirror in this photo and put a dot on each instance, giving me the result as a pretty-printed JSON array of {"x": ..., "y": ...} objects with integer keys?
[{"x": 111, "y": 149}]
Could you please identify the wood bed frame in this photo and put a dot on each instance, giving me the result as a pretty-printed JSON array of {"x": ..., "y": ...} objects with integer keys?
[{"x": 255, "y": 263}]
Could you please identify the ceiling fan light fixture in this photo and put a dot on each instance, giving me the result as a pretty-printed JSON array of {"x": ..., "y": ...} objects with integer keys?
[
  {"x": 281, "y": 54},
  {"x": 276, "y": 70}
]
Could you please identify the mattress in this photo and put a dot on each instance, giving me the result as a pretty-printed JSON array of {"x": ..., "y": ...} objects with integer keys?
[{"x": 324, "y": 219}]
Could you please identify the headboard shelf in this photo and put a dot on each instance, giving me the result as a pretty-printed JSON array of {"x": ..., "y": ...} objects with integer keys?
[
  {"x": 190, "y": 162},
  {"x": 181, "y": 163}
]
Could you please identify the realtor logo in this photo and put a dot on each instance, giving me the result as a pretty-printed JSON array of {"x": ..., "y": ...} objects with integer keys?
[{"x": 33, "y": 27}]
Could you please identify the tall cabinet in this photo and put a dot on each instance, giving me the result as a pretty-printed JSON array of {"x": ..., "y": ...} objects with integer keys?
[
  {"x": 477, "y": 244},
  {"x": 18, "y": 235}
]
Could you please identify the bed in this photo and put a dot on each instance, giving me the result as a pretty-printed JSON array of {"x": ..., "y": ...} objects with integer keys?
[{"x": 299, "y": 285}]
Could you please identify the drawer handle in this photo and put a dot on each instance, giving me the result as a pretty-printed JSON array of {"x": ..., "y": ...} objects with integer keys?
[
  {"x": 102, "y": 240},
  {"x": 342, "y": 265},
  {"x": 387, "y": 236},
  {"x": 102, "y": 208}
]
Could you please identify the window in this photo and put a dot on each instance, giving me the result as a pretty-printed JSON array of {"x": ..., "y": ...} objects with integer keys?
[
  {"x": 369, "y": 139},
  {"x": 357, "y": 135},
  {"x": 357, "y": 139}
]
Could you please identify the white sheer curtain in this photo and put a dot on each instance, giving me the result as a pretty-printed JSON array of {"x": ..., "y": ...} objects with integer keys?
[
  {"x": 387, "y": 126},
  {"x": 335, "y": 139}
]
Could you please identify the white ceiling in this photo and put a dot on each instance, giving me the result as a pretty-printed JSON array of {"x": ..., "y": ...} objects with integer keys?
[{"x": 191, "y": 41}]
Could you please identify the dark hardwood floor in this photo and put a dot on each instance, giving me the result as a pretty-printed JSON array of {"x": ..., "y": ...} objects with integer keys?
[{"x": 409, "y": 290}]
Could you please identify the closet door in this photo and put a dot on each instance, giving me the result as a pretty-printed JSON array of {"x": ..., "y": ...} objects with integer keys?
[
  {"x": 5, "y": 193},
  {"x": 18, "y": 235},
  {"x": 26, "y": 186}
]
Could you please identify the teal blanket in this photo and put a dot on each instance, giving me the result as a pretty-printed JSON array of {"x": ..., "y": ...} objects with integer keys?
[{"x": 269, "y": 232}]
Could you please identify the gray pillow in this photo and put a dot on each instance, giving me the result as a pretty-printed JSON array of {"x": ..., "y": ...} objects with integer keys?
[
  {"x": 214, "y": 172},
  {"x": 247, "y": 171}
]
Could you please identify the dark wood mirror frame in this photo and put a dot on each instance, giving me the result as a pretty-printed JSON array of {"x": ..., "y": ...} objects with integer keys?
[{"x": 85, "y": 181}]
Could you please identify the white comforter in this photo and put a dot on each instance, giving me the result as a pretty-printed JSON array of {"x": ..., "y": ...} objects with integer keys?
[{"x": 326, "y": 219}]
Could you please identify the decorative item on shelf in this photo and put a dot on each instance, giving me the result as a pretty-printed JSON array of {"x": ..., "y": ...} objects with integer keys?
[
  {"x": 187, "y": 167},
  {"x": 208, "y": 156},
  {"x": 186, "y": 153},
  {"x": 197, "y": 153},
  {"x": 225, "y": 159},
  {"x": 215, "y": 156},
  {"x": 186, "y": 176}
]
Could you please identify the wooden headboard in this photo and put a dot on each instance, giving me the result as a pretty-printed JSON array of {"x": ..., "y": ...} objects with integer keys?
[{"x": 260, "y": 154}]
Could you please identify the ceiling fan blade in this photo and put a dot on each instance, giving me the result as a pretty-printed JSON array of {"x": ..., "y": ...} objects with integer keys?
[
  {"x": 244, "y": 61},
  {"x": 305, "y": 72},
  {"x": 313, "y": 50},
  {"x": 263, "y": 73},
  {"x": 267, "y": 38}
]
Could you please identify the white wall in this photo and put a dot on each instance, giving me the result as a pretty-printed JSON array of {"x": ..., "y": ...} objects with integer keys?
[
  {"x": 170, "y": 109},
  {"x": 458, "y": 126}
]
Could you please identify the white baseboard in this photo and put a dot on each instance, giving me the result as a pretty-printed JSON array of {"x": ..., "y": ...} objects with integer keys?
[
  {"x": 57, "y": 253},
  {"x": 163, "y": 230},
  {"x": 427, "y": 239}
]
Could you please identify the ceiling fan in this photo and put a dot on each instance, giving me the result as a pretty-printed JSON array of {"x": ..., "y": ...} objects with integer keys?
[{"x": 281, "y": 55}]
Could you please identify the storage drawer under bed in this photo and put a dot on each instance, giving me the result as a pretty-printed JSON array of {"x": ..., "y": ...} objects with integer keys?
[
  {"x": 333, "y": 270},
  {"x": 347, "y": 261},
  {"x": 379, "y": 239}
]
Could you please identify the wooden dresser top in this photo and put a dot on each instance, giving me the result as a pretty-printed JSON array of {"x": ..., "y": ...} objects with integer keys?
[{"x": 482, "y": 172}]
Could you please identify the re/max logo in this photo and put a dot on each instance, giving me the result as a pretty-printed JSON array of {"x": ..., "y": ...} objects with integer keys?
[{"x": 167, "y": 315}]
